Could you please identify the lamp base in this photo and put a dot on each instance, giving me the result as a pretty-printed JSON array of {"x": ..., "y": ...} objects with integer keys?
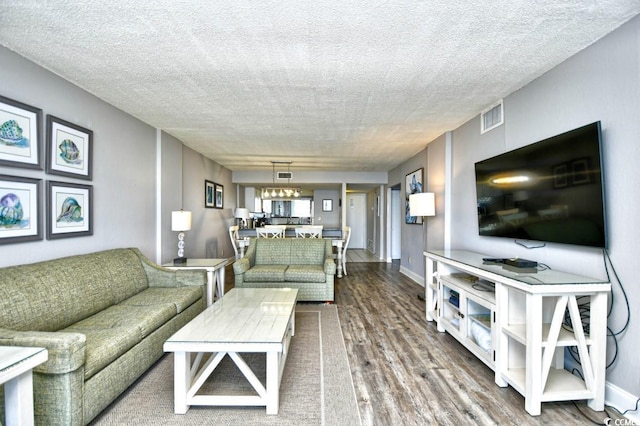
[{"x": 179, "y": 260}]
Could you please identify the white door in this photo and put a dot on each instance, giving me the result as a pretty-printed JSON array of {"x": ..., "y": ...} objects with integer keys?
[
  {"x": 357, "y": 220},
  {"x": 396, "y": 224}
]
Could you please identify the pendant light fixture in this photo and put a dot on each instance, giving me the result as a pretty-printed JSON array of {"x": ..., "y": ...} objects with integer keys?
[{"x": 282, "y": 192}]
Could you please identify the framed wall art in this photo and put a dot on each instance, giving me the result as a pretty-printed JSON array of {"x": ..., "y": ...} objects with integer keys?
[
  {"x": 219, "y": 197},
  {"x": 20, "y": 134},
  {"x": 69, "y": 149},
  {"x": 327, "y": 205},
  {"x": 209, "y": 194},
  {"x": 412, "y": 185},
  {"x": 20, "y": 211},
  {"x": 560, "y": 176},
  {"x": 69, "y": 210},
  {"x": 581, "y": 171}
]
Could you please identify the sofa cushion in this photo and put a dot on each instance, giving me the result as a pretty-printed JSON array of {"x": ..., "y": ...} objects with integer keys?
[
  {"x": 180, "y": 297},
  {"x": 307, "y": 251},
  {"x": 125, "y": 273},
  {"x": 305, "y": 274},
  {"x": 273, "y": 251},
  {"x": 261, "y": 273},
  {"x": 112, "y": 332},
  {"x": 53, "y": 294},
  {"x": 106, "y": 345}
]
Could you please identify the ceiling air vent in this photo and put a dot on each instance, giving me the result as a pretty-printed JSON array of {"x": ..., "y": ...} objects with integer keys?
[
  {"x": 492, "y": 117},
  {"x": 285, "y": 175}
]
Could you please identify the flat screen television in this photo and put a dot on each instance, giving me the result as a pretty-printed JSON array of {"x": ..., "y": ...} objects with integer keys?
[{"x": 550, "y": 191}]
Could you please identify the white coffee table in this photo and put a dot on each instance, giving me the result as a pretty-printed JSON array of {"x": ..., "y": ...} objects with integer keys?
[
  {"x": 244, "y": 320},
  {"x": 16, "y": 365}
]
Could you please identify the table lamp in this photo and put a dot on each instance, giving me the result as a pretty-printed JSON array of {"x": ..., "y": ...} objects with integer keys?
[
  {"x": 180, "y": 221},
  {"x": 422, "y": 204},
  {"x": 243, "y": 215}
]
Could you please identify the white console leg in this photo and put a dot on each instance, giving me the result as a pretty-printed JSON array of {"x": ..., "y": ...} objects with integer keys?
[{"x": 534, "y": 385}]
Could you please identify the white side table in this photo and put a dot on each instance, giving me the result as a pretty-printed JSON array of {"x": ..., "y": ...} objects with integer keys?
[
  {"x": 243, "y": 243},
  {"x": 16, "y": 365},
  {"x": 215, "y": 274}
]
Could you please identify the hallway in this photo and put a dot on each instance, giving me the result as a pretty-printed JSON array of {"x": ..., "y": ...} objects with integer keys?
[{"x": 360, "y": 256}]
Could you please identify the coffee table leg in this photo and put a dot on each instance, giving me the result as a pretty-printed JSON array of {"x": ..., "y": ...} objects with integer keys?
[
  {"x": 211, "y": 283},
  {"x": 220, "y": 272},
  {"x": 273, "y": 385},
  {"x": 181, "y": 381}
]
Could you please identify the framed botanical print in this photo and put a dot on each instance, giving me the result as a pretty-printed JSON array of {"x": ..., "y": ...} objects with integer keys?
[
  {"x": 69, "y": 210},
  {"x": 219, "y": 197},
  {"x": 412, "y": 185},
  {"x": 20, "y": 134},
  {"x": 69, "y": 149},
  {"x": 20, "y": 210},
  {"x": 209, "y": 194}
]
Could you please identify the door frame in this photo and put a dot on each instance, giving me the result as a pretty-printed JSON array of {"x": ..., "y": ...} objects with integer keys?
[{"x": 390, "y": 218}]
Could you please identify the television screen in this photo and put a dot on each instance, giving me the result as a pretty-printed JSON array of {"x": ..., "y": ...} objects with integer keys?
[{"x": 549, "y": 191}]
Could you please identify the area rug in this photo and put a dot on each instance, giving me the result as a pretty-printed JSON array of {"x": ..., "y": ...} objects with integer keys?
[{"x": 316, "y": 387}]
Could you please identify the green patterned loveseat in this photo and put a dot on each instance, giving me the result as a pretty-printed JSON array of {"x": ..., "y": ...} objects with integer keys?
[
  {"x": 103, "y": 318},
  {"x": 303, "y": 263}
]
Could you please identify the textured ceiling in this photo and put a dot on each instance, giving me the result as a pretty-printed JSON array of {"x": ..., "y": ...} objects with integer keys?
[{"x": 329, "y": 85}]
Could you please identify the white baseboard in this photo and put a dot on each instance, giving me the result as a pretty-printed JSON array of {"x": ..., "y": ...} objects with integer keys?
[
  {"x": 614, "y": 396},
  {"x": 373, "y": 253},
  {"x": 621, "y": 400},
  {"x": 412, "y": 275}
]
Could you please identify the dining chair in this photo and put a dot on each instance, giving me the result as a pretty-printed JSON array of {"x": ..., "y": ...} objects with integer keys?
[
  {"x": 271, "y": 231},
  {"x": 346, "y": 237},
  {"x": 233, "y": 235},
  {"x": 309, "y": 231}
]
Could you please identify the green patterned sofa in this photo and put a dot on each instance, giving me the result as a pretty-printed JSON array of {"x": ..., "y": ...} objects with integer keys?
[
  {"x": 103, "y": 318},
  {"x": 303, "y": 263}
]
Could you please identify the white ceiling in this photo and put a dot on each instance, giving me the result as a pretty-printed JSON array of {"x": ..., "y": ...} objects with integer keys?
[{"x": 329, "y": 85}]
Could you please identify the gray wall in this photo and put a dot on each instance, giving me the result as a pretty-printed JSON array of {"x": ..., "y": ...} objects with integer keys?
[
  {"x": 124, "y": 165},
  {"x": 170, "y": 196},
  {"x": 600, "y": 83},
  {"x": 134, "y": 194},
  {"x": 412, "y": 260},
  {"x": 435, "y": 172},
  {"x": 210, "y": 234},
  {"x": 373, "y": 221},
  {"x": 327, "y": 219}
]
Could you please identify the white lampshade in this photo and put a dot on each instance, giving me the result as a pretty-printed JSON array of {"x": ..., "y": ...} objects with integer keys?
[
  {"x": 180, "y": 221},
  {"x": 241, "y": 213},
  {"x": 422, "y": 204}
]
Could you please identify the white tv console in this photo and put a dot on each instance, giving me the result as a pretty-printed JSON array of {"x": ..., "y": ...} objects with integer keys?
[{"x": 517, "y": 329}]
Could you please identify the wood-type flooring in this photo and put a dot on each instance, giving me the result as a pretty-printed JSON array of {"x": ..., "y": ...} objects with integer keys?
[{"x": 407, "y": 373}]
